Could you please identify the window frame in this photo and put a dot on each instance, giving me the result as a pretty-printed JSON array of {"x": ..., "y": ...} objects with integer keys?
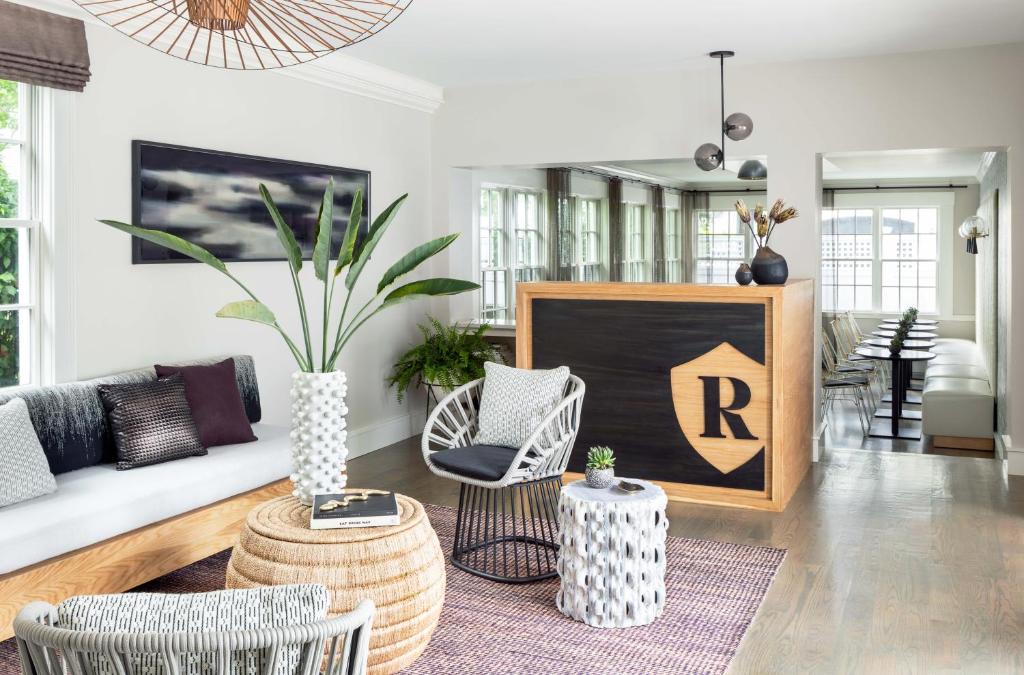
[
  {"x": 945, "y": 202},
  {"x": 30, "y": 343},
  {"x": 584, "y": 269},
  {"x": 631, "y": 264},
  {"x": 510, "y": 264},
  {"x": 673, "y": 254}
]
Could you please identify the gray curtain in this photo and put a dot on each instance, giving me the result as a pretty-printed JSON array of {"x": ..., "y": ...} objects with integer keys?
[
  {"x": 615, "y": 234},
  {"x": 38, "y": 47},
  {"x": 658, "y": 233},
  {"x": 561, "y": 236}
]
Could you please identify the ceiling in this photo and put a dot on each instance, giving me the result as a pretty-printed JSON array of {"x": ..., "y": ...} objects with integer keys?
[
  {"x": 680, "y": 173},
  {"x": 463, "y": 42},
  {"x": 902, "y": 165}
]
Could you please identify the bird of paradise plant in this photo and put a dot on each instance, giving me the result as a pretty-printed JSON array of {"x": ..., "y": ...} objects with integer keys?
[{"x": 351, "y": 260}]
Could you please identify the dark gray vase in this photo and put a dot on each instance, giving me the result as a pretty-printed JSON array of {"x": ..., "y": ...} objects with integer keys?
[
  {"x": 769, "y": 267},
  {"x": 743, "y": 274}
]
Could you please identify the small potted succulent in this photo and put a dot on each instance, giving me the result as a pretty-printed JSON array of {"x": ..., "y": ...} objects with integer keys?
[
  {"x": 600, "y": 467},
  {"x": 896, "y": 345}
]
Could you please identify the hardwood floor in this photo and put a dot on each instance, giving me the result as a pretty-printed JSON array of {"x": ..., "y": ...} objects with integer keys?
[{"x": 897, "y": 563}]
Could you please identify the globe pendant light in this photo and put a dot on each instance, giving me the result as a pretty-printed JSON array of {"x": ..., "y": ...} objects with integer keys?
[
  {"x": 752, "y": 169},
  {"x": 736, "y": 126},
  {"x": 247, "y": 34}
]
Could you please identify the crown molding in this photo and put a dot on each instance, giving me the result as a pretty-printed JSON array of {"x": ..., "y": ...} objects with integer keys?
[
  {"x": 336, "y": 71},
  {"x": 355, "y": 76}
]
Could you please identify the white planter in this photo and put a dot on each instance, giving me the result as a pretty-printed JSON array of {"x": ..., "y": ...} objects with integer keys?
[{"x": 318, "y": 434}]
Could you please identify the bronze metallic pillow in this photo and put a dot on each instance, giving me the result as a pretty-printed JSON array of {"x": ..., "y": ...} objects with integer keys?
[{"x": 150, "y": 421}]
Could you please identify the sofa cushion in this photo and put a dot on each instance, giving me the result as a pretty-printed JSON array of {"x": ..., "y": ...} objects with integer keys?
[
  {"x": 954, "y": 346},
  {"x": 24, "y": 473},
  {"x": 213, "y": 397},
  {"x": 957, "y": 407},
  {"x": 72, "y": 426},
  {"x": 483, "y": 462},
  {"x": 957, "y": 370},
  {"x": 100, "y": 502},
  {"x": 151, "y": 422},
  {"x": 162, "y": 613},
  {"x": 972, "y": 358}
]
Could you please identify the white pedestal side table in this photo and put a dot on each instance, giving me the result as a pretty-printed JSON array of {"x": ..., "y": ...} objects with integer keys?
[{"x": 611, "y": 556}]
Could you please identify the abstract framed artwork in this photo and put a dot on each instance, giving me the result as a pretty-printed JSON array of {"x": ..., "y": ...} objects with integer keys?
[{"x": 212, "y": 199}]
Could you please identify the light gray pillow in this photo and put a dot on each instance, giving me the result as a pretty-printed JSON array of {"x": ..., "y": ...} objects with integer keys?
[
  {"x": 24, "y": 471},
  {"x": 515, "y": 401},
  {"x": 244, "y": 609}
]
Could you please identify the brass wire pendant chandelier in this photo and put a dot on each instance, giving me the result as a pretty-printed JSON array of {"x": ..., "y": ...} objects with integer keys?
[{"x": 247, "y": 34}]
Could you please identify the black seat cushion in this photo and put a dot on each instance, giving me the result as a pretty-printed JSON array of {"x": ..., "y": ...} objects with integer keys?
[{"x": 482, "y": 462}]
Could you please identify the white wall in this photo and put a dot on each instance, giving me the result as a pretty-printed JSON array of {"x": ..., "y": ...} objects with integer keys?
[
  {"x": 944, "y": 99},
  {"x": 128, "y": 316}
]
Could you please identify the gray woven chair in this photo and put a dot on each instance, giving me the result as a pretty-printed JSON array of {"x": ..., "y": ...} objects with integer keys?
[
  {"x": 47, "y": 649},
  {"x": 506, "y": 526}
]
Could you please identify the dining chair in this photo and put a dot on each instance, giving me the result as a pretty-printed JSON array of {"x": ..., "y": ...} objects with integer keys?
[{"x": 843, "y": 386}]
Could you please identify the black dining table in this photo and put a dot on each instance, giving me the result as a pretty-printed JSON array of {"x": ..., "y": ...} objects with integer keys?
[
  {"x": 901, "y": 365},
  {"x": 917, "y": 322},
  {"x": 907, "y": 344},
  {"x": 913, "y": 334}
]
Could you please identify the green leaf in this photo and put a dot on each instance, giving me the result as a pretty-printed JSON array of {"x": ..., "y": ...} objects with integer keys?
[
  {"x": 284, "y": 233},
  {"x": 322, "y": 250},
  {"x": 414, "y": 258},
  {"x": 248, "y": 310},
  {"x": 380, "y": 225},
  {"x": 427, "y": 287},
  {"x": 170, "y": 241},
  {"x": 348, "y": 244}
]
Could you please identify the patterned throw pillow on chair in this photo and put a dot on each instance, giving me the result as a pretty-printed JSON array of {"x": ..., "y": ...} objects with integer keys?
[
  {"x": 515, "y": 401},
  {"x": 24, "y": 471}
]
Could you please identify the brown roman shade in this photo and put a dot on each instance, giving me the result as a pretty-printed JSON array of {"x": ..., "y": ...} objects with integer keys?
[{"x": 38, "y": 47}]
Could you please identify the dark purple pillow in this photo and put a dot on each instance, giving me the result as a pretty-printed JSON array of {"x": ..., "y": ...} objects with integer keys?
[{"x": 216, "y": 404}]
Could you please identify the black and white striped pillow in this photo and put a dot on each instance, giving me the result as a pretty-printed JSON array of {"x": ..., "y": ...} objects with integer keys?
[{"x": 162, "y": 613}]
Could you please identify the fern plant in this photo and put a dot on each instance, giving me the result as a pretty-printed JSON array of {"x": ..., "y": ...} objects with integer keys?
[{"x": 448, "y": 357}]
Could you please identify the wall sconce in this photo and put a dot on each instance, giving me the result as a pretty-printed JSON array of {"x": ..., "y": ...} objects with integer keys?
[{"x": 972, "y": 228}]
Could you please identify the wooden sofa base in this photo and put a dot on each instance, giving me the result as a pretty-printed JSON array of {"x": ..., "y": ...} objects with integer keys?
[
  {"x": 964, "y": 443},
  {"x": 133, "y": 558}
]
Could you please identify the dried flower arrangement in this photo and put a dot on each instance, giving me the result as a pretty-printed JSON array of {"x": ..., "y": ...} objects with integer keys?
[{"x": 762, "y": 224}]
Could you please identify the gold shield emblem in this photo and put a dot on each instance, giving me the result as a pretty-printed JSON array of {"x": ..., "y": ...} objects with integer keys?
[{"x": 721, "y": 403}]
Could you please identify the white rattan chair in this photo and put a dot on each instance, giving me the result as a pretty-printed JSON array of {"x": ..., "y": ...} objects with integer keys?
[
  {"x": 339, "y": 644},
  {"x": 506, "y": 527}
]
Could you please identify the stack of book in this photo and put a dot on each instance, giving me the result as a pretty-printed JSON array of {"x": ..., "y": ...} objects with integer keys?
[{"x": 354, "y": 508}]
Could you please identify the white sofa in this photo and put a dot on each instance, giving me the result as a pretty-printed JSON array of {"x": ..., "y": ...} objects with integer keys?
[
  {"x": 957, "y": 402},
  {"x": 99, "y": 502},
  {"x": 104, "y": 530}
]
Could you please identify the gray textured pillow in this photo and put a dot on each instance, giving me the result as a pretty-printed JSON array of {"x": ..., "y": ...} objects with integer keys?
[
  {"x": 24, "y": 471},
  {"x": 516, "y": 401},
  {"x": 248, "y": 609}
]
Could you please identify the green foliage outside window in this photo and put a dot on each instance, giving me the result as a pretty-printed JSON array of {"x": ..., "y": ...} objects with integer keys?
[{"x": 9, "y": 370}]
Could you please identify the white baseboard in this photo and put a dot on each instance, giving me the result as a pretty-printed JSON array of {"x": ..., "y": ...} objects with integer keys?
[
  {"x": 1014, "y": 457},
  {"x": 816, "y": 442},
  {"x": 384, "y": 433}
]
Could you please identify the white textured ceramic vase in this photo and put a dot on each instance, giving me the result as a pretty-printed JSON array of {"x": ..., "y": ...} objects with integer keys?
[{"x": 318, "y": 434}]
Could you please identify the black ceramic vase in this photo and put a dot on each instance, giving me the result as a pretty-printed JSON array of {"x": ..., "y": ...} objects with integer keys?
[
  {"x": 768, "y": 267},
  {"x": 743, "y": 274}
]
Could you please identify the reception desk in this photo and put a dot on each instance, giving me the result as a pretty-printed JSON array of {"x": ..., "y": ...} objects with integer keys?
[{"x": 705, "y": 390}]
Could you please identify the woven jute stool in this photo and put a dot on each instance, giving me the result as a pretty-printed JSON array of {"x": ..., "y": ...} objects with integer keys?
[{"x": 400, "y": 568}]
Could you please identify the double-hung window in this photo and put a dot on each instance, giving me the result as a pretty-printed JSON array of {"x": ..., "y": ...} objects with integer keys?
[
  {"x": 673, "y": 246},
  {"x": 636, "y": 262},
  {"x": 881, "y": 253},
  {"x": 847, "y": 259},
  {"x": 511, "y": 230},
  {"x": 722, "y": 244},
  {"x": 19, "y": 320},
  {"x": 587, "y": 266}
]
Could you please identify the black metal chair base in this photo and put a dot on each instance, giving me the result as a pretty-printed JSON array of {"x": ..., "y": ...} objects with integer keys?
[{"x": 508, "y": 534}]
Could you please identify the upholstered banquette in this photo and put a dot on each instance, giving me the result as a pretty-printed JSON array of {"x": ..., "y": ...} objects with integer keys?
[
  {"x": 104, "y": 530},
  {"x": 957, "y": 401}
]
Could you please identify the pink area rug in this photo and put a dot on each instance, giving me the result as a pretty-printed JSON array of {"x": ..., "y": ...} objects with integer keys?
[{"x": 712, "y": 592}]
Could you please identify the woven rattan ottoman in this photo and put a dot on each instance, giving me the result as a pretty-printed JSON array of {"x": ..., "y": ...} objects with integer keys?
[{"x": 400, "y": 568}]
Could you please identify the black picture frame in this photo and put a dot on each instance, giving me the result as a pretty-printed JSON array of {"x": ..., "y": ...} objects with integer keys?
[{"x": 243, "y": 173}]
